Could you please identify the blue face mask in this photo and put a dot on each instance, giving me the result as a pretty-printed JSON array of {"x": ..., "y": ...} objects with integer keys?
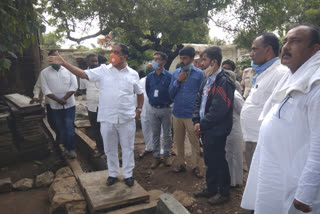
[
  {"x": 254, "y": 66},
  {"x": 155, "y": 65}
]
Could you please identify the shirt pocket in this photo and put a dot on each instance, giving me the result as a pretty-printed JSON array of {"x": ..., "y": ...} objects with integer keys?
[{"x": 287, "y": 109}]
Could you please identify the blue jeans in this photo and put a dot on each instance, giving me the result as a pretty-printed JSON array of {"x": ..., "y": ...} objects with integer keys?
[{"x": 64, "y": 121}]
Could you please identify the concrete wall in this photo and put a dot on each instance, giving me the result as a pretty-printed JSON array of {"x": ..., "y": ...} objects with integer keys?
[{"x": 228, "y": 52}]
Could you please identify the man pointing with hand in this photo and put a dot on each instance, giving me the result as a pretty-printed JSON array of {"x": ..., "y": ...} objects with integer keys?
[{"x": 118, "y": 85}]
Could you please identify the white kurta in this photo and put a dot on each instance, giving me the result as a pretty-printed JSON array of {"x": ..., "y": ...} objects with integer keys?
[
  {"x": 286, "y": 163},
  {"x": 145, "y": 118},
  {"x": 234, "y": 143},
  {"x": 260, "y": 92}
]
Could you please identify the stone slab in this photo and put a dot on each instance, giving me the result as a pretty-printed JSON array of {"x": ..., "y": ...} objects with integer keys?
[
  {"x": 5, "y": 185},
  {"x": 101, "y": 197},
  {"x": 167, "y": 204},
  {"x": 20, "y": 100},
  {"x": 144, "y": 208}
]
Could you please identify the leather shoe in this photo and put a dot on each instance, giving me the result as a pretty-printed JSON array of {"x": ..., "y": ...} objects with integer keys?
[
  {"x": 129, "y": 181},
  {"x": 204, "y": 194},
  {"x": 218, "y": 199},
  {"x": 111, "y": 180}
]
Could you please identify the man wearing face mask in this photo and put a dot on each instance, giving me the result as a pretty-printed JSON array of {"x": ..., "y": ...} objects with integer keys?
[
  {"x": 266, "y": 64},
  {"x": 59, "y": 85},
  {"x": 92, "y": 96},
  {"x": 157, "y": 85},
  {"x": 117, "y": 112},
  {"x": 184, "y": 86},
  {"x": 212, "y": 118}
]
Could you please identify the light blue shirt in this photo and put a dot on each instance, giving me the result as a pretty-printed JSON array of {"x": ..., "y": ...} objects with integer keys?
[{"x": 205, "y": 92}]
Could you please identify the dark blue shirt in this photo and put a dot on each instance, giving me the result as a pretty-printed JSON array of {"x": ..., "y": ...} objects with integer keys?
[
  {"x": 157, "y": 88},
  {"x": 184, "y": 94}
]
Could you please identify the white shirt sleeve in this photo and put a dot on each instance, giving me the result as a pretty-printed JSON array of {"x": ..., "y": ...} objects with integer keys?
[
  {"x": 73, "y": 82},
  {"x": 95, "y": 74},
  {"x": 44, "y": 85},
  {"x": 309, "y": 182},
  {"x": 83, "y": 84},
  {"x": 136, "y": 85},
  {"x": 37, "y": 88}
]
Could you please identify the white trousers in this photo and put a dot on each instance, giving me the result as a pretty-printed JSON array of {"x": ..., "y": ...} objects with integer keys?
[
  {"x": 111, "y": 135},
  {"x": 147, "y": 133}
]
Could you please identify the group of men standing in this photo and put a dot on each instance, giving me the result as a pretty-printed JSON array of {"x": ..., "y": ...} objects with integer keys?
[{"x": 279, "y": 117}]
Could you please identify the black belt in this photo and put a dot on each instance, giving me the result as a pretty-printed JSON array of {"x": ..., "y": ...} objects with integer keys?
[{"x": 161, "y": 106}]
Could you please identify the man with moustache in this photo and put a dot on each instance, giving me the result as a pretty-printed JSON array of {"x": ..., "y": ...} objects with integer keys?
[
  {"x": 264, "y": 54},
  {"x": 285, "y": 171},
  {"x": 92, "y": 97},
  {"x": 118, "y": 85},
  {"x": 183, "y": 89}
]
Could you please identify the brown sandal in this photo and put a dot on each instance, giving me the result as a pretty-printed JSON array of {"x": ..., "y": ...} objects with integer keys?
[{"x": 196, "y": 171}]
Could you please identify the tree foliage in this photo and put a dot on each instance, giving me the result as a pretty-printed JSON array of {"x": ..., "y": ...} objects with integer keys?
[
  {"x": 18, "y": 26},
  {"x": 51, "y": 40},
  {"x": 251, "y": 17},
  {"x": 162, "y": 25}
]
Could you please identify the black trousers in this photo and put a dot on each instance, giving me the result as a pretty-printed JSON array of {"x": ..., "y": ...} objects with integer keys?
[
  {"x": 95, "y": 129},
  {"x": 218, "y": 175}
]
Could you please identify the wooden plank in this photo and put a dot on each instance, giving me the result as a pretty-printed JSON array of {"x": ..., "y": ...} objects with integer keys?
[
  {"x": 20, "y": 100},
  {"x": 82, "y": 123},
  {"x": 101, "y": 197},
  {"x": 86, "y": 139}
]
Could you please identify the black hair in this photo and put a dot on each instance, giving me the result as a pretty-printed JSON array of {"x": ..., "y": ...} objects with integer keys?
[
  {"x": 229, "y": 62},
  {"x": 123, "y": 47},
  {"x": 90, "y": 55},
  {"x": 102, "y": 59},
  {"x": 213, "y": 53},
  {"x": 51, "y": 52},
  {"x": 163, "y": 55},
  {"x": 187, "y": 51},
  {"x": 272, "y": 40}
]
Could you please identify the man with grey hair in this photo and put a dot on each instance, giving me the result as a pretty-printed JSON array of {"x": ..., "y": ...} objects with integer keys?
[
  {"x": 285, "y": 171},
  {"x": 264, "y": 54}
]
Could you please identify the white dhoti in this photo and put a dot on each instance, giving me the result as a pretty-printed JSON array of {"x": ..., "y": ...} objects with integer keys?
[{"x": 147, "y": 133}]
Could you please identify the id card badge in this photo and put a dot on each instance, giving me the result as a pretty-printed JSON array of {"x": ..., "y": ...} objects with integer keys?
[{"x": 156, "y": 93}]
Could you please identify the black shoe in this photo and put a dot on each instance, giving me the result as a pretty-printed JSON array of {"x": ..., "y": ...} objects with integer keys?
[
  {"x": 111, "y": 180},
  {"x": 203, "y": 194},
  {"x": 218, "y": 199},
  {"x": 129, "y": 181}
]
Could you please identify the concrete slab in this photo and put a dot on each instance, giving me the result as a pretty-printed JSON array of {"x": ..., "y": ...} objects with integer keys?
[
  {"x": 167, "y": 204},
  {"x": 144, "y": 208},
  {"x": 101, "y": 197}
]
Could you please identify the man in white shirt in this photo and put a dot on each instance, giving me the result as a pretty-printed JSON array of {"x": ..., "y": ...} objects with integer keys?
[
  {"x": 92, "y": 96},
  {"x": 264, "y": 54},
  {"x": 285, "y": 170},
  {"x": 59, "y": 85},
  {"x": 118, "y": 85},
  {"x": 38, "y": 98}
]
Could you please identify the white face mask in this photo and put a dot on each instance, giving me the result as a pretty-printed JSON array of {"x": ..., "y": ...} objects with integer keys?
[{"x": 208, "y": 71}]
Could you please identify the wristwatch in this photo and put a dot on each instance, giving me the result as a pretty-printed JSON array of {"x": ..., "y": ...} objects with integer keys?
[{"x": 139, "y": 109}]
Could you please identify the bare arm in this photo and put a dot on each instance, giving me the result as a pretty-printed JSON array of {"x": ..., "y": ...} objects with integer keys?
[
  {"x": 73, "y": 69},
  {"x": 140, "y": 99}
]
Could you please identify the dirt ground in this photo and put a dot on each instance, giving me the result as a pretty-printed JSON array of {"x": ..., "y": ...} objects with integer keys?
[
  {"x": 165, "y": 179},
  {"x": 162, "y": 178}
]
